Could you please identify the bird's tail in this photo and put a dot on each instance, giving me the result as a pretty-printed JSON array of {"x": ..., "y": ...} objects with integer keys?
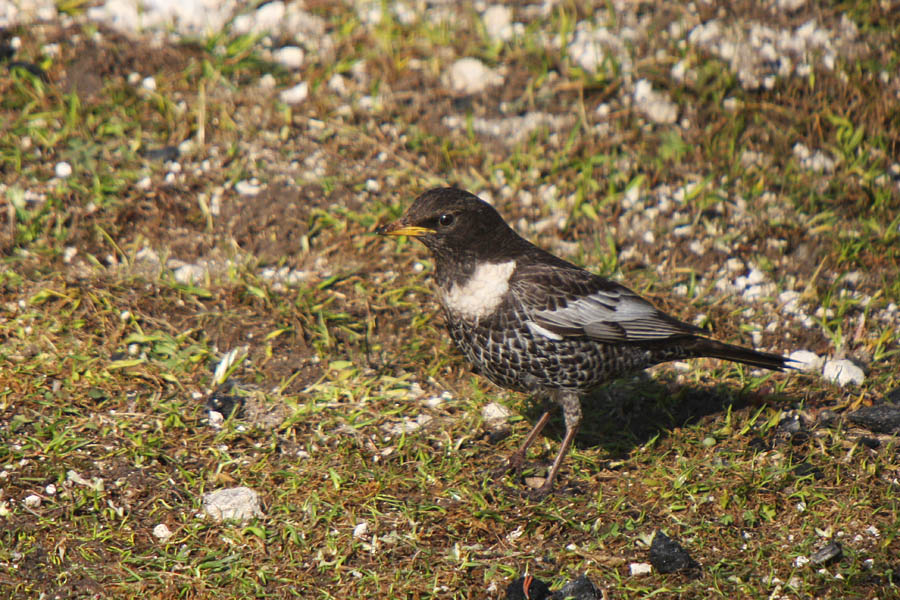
[{"x": 714, "y": 349}]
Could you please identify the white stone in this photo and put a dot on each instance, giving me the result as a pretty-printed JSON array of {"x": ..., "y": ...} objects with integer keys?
[
  {"x": 162, "y": 532},
  {"x": 495, "y": 414},
  {"x": 655, "y": 105},
  {"x": 62, "y": 169},
  {"x": 843, "y": 372},
  {"x": 247, "y": 188},
  {"x": 755, "y": 276},
  {"x": 289, "y": 56},
  {"x": 791, "y": 301},
  {"x": 189, "y": 273},
  {"x": 589, "y": 49},
  {"x": 149, "y": 83},
  {"x": 238, "y": 504},
  {"x": 267, "y": 81},
  {"x": 471, "y": 76},
  {"x": 361, "y": 530},
  {"x": 32, "y": 501},
  {"x": 791, "y": 5},
  {"x": 640, "y": 569},
  {"x": 498, "y": 22},
  {"x": 296, "y": 94},
  {"x": 269, "y": 17},
  {"x": 338, "y": 85},
  {"x": 50, "y": 490},
  {"x": 804, "y": 360}
]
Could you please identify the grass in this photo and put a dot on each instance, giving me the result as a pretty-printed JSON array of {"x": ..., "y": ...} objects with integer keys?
[{"x": 362, "y": 428}]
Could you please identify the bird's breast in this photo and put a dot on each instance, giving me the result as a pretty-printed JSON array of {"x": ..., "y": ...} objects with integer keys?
[{"x": 478, "y": 295}]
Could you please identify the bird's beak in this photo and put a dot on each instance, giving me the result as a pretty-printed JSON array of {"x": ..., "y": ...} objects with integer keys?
[{"x": 399, "y": 228}]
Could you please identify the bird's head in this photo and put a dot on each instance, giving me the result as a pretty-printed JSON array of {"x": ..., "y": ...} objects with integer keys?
[{"x": 454, "y": 223}]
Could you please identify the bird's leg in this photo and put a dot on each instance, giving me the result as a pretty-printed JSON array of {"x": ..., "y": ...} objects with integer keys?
[
  {"x": 515, "y": 460},
  {"x": 571, "y": 406}
]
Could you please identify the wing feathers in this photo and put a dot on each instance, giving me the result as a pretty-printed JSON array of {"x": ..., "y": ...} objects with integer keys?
[{"x": 575, "y": 302}]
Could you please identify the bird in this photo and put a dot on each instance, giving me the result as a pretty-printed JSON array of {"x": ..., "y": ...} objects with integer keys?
[{"x": 532, "y": 322}]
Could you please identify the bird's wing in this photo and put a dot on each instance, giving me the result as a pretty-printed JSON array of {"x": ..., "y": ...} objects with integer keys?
[{"x": 567, "y": 301}]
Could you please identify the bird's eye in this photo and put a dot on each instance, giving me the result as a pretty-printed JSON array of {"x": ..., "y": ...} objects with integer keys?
[{"x": 445, "y": 220}]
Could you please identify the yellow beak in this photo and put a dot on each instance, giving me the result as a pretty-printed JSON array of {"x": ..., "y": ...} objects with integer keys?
[{"x": 398, "y": 228}]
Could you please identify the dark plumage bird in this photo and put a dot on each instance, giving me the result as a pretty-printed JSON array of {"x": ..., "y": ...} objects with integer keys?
[{"x": 532, "y": 322}]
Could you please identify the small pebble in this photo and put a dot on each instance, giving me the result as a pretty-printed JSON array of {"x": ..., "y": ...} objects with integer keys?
[
  {"x": 296, "y": 94},
  {"x": 361, "y": 530},
  {"x": 63, "y": 169},
  {"x": 830, "y": 553},
  {"x": 289, "y": 56},
  {"x": 162, "y": 532},
  {"x": 640, "y": 569},
  {"x": 32, "y": 501}
]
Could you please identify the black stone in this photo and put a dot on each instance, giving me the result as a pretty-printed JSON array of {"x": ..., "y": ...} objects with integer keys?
[
  {"x": 580, "y": 588},
  {"x": 880, "y": 418},
  {"x": 831, "y": 552},
  {"x": 667, "y": 555}
]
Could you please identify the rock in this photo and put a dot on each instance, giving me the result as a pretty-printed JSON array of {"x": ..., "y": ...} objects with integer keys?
[
  {"x": 232, "y": 504},
  {"x": 830, "y": 553},
  {"x": 843, "y": 372},
  {"x": 296, "y": 94},
  {"x": 804, "y": 360},
  {"x": 289, "y": 56},
  {"x": 640, "y": 569},
  {"x": 32, "y": 501},
  {"x": 62, "y": 169},
  {"x": 655, "y": 105},
  {"x": 248, "y": 188},
  {"x": 667, "y": 555},
  {"x": 161, "y": 532},
  {"x": 580, "y": 588},
  {"x": 361, "y": 530},
  {"x": 880, "y": 418},
  {"x": 495, "y": 415},
  {"x": 589, "y": 49},
  {"x": 498, "y": 23},
  {"x": 471, "y": 76}
]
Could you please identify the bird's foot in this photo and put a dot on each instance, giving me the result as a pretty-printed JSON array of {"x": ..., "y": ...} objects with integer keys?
[{"x": 514, "y": 463}]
